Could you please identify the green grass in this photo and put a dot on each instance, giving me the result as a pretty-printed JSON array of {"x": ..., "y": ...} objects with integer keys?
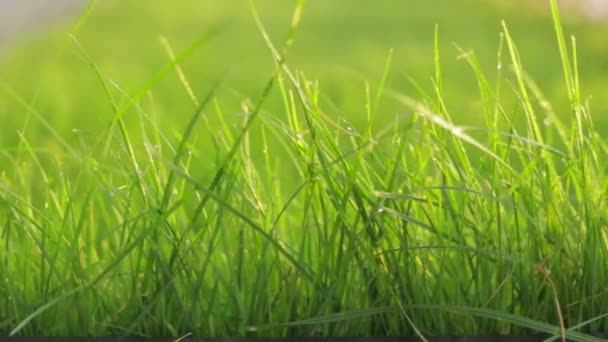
[{"x": 293, "y": 210}]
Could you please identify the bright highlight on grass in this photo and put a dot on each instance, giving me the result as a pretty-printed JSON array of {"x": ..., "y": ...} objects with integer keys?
[{"x": 298, "y": 223}]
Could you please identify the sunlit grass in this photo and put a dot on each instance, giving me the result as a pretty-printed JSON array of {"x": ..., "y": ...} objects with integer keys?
[{"x": 298, "y": 222}]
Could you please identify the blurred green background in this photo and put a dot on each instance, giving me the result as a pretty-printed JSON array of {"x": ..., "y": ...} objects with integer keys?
[{"x": 341, "y": 43}]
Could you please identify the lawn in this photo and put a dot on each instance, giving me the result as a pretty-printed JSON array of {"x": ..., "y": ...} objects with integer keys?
[{"x": 411, "y": 168}]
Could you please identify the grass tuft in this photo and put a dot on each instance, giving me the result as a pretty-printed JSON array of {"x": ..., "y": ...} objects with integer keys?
[{"x": 290, "y": 220}]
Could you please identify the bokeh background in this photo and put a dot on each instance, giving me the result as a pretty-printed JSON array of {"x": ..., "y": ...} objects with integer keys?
[{"x": 341, "y": 44}]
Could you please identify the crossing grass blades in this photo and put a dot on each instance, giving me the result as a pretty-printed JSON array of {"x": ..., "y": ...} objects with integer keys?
[{"x": 420, "y": 227}]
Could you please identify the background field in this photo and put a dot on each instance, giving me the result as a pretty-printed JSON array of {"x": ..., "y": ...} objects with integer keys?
[
  {"x": 80, "y": 214},
  {"x": 340, "y": 43}
]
